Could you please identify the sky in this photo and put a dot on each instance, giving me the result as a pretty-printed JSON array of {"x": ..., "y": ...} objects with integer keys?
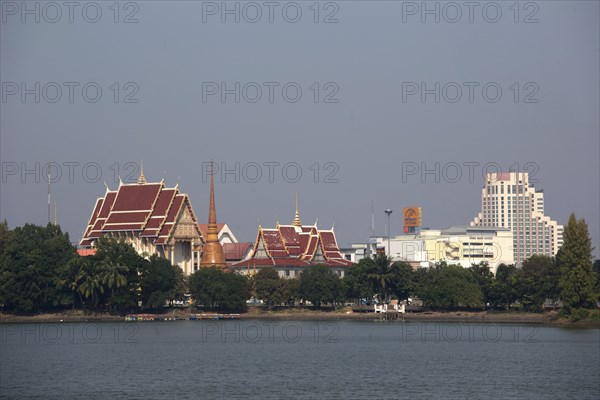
[{"x": 348, "y": 103}]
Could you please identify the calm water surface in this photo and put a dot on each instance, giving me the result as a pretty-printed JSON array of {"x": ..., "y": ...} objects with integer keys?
[{"x": 305, "y": 360}]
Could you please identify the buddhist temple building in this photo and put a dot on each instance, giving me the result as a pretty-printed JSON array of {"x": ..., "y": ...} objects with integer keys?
[
  {"x": 155, "y": 219},
  {"x": 291, "y": 249}
]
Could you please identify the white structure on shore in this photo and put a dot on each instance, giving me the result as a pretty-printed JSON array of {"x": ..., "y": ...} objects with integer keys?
[{"x": 509, "y": 201}]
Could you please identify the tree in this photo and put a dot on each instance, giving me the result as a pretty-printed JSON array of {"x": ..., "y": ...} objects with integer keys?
[
  {"x": 503, "y": 290},
  {"x": 113, "y": 276},
  {"x": 29, "y": 267},
  {"x": 319, "y": 284},
  {"x": 70, "y": 276},
  {"x": 235, "y": 292},
  {"x": 484, "y": 277},
  {"x": 288, "y": 291},
  {"x": 267, "y": 283},
  {"x": 575, "y": 261},
  {"x": 357, "y": 284},
  {"x": 449, "y": 286},
  {"x": 382, "y": 276},
  {"x": 596, "y": 267},
  {"x": 91, "y": 283},
  {"x": 120, "y": 253},
  {"x": 538, "y": 281},
  {"x": 402, "y": 284},
  {"x": 4, "y": 237},
  {"x": 214, "y": 288},
  {"x": 158, "y": 281}
]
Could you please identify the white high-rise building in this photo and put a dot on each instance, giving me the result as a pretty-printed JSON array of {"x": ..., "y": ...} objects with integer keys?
[{"x": 508, "y": 200}]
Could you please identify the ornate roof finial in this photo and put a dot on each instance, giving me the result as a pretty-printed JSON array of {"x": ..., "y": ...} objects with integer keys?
[
  {"x": 297, "y": 221},
  {"x": 142, "y": 179}
]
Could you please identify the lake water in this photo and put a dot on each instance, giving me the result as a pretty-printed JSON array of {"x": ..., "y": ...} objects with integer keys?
[{"x": 298, "y": 360}]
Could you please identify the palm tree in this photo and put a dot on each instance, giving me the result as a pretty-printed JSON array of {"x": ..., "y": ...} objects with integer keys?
[
  {"x": 91, "y": 284},
  {"x": 382, "y": 276},
  {"x": 72, "y": 277},
  {"x": 114, "y": 276}
]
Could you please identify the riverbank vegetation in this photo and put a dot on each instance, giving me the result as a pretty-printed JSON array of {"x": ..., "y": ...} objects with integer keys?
[{"x": 40, "y": 271}]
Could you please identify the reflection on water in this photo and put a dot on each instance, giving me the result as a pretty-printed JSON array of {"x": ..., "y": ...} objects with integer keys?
[{"x": 308, "y": 360}]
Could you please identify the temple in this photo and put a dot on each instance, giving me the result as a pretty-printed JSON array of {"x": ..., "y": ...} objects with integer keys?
[
  {"x": 155, "y": 219},
  {"x": 291, "y": 249}
]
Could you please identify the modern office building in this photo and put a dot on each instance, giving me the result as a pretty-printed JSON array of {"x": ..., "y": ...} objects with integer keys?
[{"x": 508, "y": 200}]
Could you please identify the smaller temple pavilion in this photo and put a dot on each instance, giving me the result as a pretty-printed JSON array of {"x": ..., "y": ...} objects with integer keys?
[
  {"x": 290, "y": 249},
  {"x": 155, "y": 219}
]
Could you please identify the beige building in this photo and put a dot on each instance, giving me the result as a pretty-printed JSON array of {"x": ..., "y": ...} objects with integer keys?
[
  {"x": 462, "y": 245},
  {"x": 508, "y": 200}
]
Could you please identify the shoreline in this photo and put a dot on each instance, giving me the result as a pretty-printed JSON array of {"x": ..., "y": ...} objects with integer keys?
[{"x": 548, "y": 318}]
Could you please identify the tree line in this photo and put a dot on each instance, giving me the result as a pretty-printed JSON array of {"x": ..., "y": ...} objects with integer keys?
[{"x": 40, "y": 270}]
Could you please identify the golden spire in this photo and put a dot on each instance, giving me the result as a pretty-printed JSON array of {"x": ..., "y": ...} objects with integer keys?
[
  {"x": 297, "y": 221},
  {"x": 212, "y": 254},
  {"x": 142, "y": 178}
]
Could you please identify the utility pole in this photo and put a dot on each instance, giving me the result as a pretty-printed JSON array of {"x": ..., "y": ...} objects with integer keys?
[{"x": 388, "y": 212}]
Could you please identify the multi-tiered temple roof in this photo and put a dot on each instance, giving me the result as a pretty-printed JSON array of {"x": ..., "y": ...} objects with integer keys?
[
  {"x": 147, "y": 210},
  {"x": 295, "y": 245}
]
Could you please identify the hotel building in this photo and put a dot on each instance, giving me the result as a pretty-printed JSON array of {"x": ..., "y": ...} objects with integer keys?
[{"x": 509, "y": 201}]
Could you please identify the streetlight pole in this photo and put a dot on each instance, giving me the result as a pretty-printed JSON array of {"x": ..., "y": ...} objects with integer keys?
[{"x": 388, "y": 212}]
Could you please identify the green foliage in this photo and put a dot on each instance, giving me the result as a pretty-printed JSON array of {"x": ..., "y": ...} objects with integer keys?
[
  {"x": 319, "y": 285},
  {"x": 382, "y": 276},
  {"x": 267, "y": 286},
  {"x": 538, "y": 281},
  {"x": 503, "y": 291},
  {"x": 214, "y": 288},
  {"x": 157, "y": 281},
  {"x": 596, "y": 267},
  {"x": 574, "y": 314},
  {"x": 357, "y": 284},
  {"x": 449, "y": 286},
  {"x": 288, "y": 291},
  {"x": 30, "y": 261},
  {"x": 402, "y": 282},
  {"x": 575, "y": 261},
  {"x": 91, "y": 283}
]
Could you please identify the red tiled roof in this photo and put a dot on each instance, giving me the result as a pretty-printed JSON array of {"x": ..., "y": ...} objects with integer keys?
[
  {"x": 274, "y": 243},
  {"x": 235, "y": 251},
  {"x": 150, "y": 208},
  {"x": 136, "y": 197},
  {"x": 287, "y": 245}
]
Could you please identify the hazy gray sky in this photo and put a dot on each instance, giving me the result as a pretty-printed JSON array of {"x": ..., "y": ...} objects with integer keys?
[{"x": 366, "y": 122}]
